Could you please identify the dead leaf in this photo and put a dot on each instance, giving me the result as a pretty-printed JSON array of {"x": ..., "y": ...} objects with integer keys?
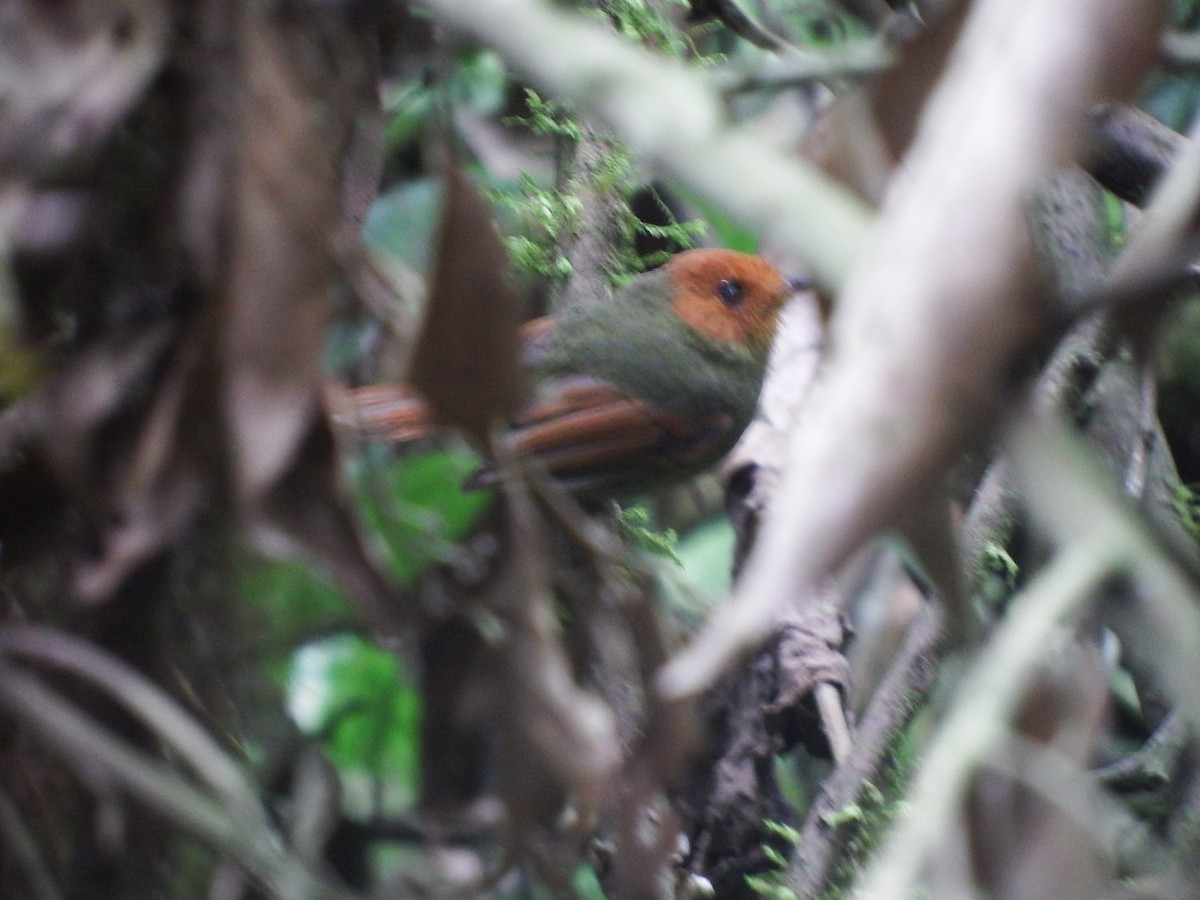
[
  {"x": 466, "y": 360},
  {"x": 265, "y": 220},
  {"x": 285, "y": 221}
]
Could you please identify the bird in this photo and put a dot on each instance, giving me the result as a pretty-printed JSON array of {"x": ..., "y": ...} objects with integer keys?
[{"x": 631, "y": 393}]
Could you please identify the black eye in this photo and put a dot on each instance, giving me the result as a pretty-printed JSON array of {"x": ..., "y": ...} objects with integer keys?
[{"x": 731, "y": 292}]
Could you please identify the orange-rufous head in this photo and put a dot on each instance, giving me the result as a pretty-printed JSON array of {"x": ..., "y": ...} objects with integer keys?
[{"x": 728, "y": 296}]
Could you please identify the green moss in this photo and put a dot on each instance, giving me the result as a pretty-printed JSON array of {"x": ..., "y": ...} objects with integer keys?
[
  {"x": 996, "y": 574},
  {"x": 547, "y": 118},
  {"x": 642, "y": 23},
  {"x": 997, "y": 561},
  {"x": 637, "y": 530},
  {"x": 767, "y": 884},
  {"x": 857, "y": 813},
  {"x": 549, "y": 219},
  {"x": 679, "y": 234},
  {"x": 867, "y": 818},
  {"x": 1113, "y": 222}
]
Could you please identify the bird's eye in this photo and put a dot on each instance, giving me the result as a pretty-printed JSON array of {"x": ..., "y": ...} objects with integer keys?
[{"x": 731, "y": 292}]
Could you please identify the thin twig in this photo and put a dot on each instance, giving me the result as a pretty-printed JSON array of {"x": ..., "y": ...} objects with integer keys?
[
  {"x": 833, "y": 720},
  {"x": 909, "y": 678},
  {"x": 1150, "y": 767}
]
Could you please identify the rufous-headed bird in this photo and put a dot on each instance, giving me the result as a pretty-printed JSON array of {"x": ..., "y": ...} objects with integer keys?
[{"x": 649, "y": 387}]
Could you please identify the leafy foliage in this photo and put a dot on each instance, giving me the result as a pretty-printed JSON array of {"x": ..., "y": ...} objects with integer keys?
[
  {"x": 643, "y": 22},
  {"x": 356, "y": 699},
  {"x": 1187, "y": 506},
  {"x": 416, "y": 505},
  {"x": 547, "y": 118},
  {"x": 636, "y": 528},
  {"x": 547, "y": 219},
  {"x": 766, "y": 885}
]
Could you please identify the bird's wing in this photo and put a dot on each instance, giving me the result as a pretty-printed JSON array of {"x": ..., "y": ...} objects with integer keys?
[
  {"x": 582, "y": 429},
  {"x": 581, "y": 426}
]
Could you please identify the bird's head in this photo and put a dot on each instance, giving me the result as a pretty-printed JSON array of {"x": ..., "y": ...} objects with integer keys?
[{"x": 728, "y": 296}]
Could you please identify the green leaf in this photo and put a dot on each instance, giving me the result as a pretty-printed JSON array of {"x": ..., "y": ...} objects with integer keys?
[
  {"x": 1187, "y": 507},
  {"x": 407, "y": 106},
  {"x": 290, "y": 601},
  {"x": 357, "y": 700},
  {"x": 416, "y": 506},
  {"x": 547, "y": 118},
  {"x": 481, "y": 81},
  {"x": 1114, "y": 220}
]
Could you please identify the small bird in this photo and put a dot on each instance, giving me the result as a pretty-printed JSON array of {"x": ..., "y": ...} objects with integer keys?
[{"x": 646, "y": 388}]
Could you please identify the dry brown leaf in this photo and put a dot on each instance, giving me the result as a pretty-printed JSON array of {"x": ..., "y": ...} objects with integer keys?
[
  {"x": 266, "y": 215},
  {"x": 466, "y": 360},
  {"x": 306, "y": 157},
  {"x": 285, "y": 222}
]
